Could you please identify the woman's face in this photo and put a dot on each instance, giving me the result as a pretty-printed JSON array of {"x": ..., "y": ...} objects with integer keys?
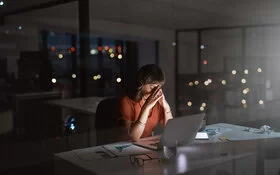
[{"x": 147, "y": 88}]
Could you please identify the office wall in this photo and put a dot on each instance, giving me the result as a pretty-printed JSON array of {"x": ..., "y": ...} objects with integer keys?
[
  {"x": 146, "y": 52},
  {"x": 15, "y": 41}
]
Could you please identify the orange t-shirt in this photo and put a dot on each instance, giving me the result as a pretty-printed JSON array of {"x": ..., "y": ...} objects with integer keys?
[{"x": 130, "y": 111}]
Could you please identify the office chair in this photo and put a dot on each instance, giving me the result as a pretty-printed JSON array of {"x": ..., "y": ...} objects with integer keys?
[{"x": 108, "y": 123}]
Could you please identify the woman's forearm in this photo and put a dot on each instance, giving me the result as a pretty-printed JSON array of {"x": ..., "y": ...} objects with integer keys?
[
  {"x": 167, "y": 115},
  {"x": 137, "y": 128}
]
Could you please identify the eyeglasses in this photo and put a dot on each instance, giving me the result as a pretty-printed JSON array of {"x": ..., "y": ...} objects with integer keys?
[{"x": 140, "y": 159}]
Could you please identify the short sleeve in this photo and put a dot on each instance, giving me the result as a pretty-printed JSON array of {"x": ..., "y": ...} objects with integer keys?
[{"x": 126, "y": 109}]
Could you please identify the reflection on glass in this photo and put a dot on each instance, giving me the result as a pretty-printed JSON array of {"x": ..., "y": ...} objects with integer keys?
[{"x": 182, "y": 164}]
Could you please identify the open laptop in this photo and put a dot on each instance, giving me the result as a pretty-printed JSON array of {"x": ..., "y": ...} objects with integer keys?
[{"x": 178, "y": 131}]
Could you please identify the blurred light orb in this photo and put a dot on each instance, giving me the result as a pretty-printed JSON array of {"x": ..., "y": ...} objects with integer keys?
[
  {"x": 261, "y": 102},
  {"x": 112, "y": 55},
  {"x": 223, "y": 82},
  {"x": 93, "y": 51},
  {"x": 190, "y": 83},
  {"x": 233, "y": 72},
  {"x": 259, "y": 70},
  {"x": 120, "y": 56},
  {"x": 73, "y": 49},
  {"x": 60, "y": 56},
  {"x": 245, "y": 91},
  {"x": 203, "y": 104},
  {"x": 189, "y": 103},
  {"x": 52, "y": 48},
  {"x": 95, "y": 77},
  {"x": 196, "y": 82},
  {"x": 202, "y": 47},
  {"x": 74, "y": 75},
  {"x": 118, "y": 80},
  {"x": 205, "y": 62},
  {"x": 243, "y": 80},
  {"x": 243, "y": 101},
  {"x": 53, "y": 80},
  {"x": 201, "y": 108},
  {"x": 246, "y": 71},
  {"x": 1, "y": 3}
]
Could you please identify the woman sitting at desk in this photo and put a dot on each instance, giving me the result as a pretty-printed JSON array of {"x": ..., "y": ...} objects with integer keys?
[{"x": 145, "y": 105}]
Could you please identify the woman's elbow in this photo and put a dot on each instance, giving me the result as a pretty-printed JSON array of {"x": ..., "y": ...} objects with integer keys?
[{"x": 134, "y": 137}]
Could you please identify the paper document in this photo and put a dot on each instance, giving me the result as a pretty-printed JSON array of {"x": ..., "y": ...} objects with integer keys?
[
  {"x": 202, "y": 135},
  {"x": 93, "y": 153},
  {"x": 126, "y": 149}
]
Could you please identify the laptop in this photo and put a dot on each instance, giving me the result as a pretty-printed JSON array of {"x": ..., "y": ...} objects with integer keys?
[{"x": 178, "y": 131}]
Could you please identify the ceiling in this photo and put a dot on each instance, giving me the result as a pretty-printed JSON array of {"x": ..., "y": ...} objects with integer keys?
[{"x": 165, "y": 14}]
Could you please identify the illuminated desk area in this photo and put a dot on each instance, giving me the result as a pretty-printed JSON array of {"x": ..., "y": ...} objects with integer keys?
[{"x": 233, "y": 150}]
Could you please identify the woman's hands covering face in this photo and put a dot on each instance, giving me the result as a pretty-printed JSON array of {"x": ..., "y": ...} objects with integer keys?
[{"x": 154, "y": 97}]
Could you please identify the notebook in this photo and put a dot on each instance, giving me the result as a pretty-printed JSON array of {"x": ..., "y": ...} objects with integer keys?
[{"x": 178, "y": 131}]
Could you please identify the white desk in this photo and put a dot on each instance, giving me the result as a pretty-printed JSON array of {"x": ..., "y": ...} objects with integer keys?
[
  {"x": 203, "y": 156},
  {"x": 86, "y": 105}
]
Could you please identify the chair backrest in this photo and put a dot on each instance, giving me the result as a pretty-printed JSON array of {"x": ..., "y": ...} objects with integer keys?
[
  {"x": 108, "y": 114},
  {"x": 108, "y": 123}
]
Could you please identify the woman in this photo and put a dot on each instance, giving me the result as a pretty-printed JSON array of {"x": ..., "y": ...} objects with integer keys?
[{"x": 145, "y": 105}]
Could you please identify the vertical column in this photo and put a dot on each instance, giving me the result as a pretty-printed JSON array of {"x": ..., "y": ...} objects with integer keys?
[
  {"x": 131, "y": 62},
  {"x": 74, "y": 65},
  {"x": 101, "y": 71},
  {"x": 84, "y": 44},
  {"x": 46, "y": 72},
  {"x": 176, "y": 72},
  {"x": 199, "y": 52},
  {"x": 243, "y": 52},
  {"x": 157, "y": 52}
]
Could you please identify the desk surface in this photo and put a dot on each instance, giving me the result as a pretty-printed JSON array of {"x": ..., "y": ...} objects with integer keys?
[
  {"x": 34, "y": 95},
  {"x": 199, "y": 155},
  {"x": 87, "y": 104}
]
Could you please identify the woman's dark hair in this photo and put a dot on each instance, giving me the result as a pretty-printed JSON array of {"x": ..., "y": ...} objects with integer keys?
[{"x": 147, "y": 74}]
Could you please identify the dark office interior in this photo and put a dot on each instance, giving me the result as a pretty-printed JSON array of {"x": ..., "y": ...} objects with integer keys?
[{"x": 59, "y": 59}]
